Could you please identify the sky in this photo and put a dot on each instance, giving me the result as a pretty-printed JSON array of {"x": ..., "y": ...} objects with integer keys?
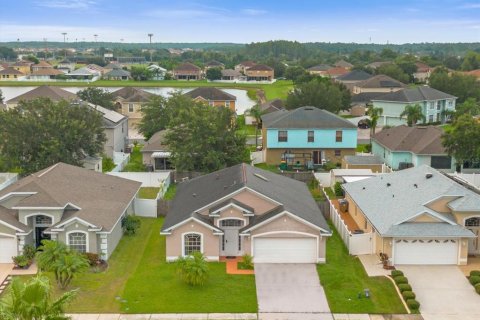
[{"x": 243, "y": 21}]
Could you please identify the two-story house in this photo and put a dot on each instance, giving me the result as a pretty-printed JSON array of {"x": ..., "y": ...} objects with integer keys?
[
  {"x": 260, "y": 72},
  {"x": 187, "y": 71},
  {"x": 245, "y": 210},
  {"x": 379, "y": 83},
  {"x": 79, "y": 207},
  {"x": 23, "y": 66},
  {"x": 129, "y": 101},
  {"x": 41, "y": 65},
  {"x": 434, "y": 104},
  {"x": 66, "y": 66},
  {"x": 243, "y": 66},
  {"x": 213, "y": 97},
  {"x": 307, "y": 136}
]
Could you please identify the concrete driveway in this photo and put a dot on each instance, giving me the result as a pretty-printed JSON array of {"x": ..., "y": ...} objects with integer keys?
[
  {"x": 443, "y": 292},
  {"x": 289, "y": 288}
]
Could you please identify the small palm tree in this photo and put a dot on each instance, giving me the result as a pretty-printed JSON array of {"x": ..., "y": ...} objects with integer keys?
[
  {"x": 193, "y": 269},
  {"x": 413, "y": 114},
  {"x": 374, "y": 114},
  {"x": 49, "y": 252},
  {"x": 257, "y": 114},
  {"x": 33, "y": 301},
  {"x": 67, "y": 266}
]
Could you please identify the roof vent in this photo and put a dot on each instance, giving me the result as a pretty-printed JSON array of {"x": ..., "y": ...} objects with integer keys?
[
  {"x": 388, "y": 184},
  {"x": 194, "y": 195},
  {"x": 309, "y": 108},
  {"x": 363, "y": 188},
  {"x": 260, "y": 176},
  {"x": 428, "y": 175},
  {"x": 415, "y": 185}
]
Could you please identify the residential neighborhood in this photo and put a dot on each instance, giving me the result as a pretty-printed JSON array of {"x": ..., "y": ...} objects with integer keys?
[{"x": 251, "y": 161}]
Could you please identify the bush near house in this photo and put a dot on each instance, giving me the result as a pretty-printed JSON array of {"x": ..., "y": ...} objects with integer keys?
[
  {"x": 413, "y": 304},
  {"x": 338, "y": 189},
  {"x": 477, "y": 288},
  {"x": 475, "y": 273},
  {"x": 193, "y": 270},
  {"x": 246, "y": 263},
  {"x": 396, "y": 273},
  {"x": 404, "y": 287},
  {"x": 130, "y": 224},
  {"x": 407, "y": 295},
  {"x": 400, "y": 279},
  {"x": 474, "y": 280}
]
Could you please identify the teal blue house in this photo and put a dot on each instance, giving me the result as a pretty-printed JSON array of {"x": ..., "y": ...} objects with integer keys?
[
  {"x": 434, "y": 103},
  {"x": 307, "y": 137}
]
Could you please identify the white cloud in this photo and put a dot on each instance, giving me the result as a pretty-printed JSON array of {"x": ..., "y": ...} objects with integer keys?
[
  {"x": 470, "y": 6},
  {"x": 254, "y": 12},
  {"x": 66, "y": 4}
]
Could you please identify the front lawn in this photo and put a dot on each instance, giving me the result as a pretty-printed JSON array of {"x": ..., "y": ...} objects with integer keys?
[
  {"x": 343, "y": 278},
  {"x": 148, "y": 193}
]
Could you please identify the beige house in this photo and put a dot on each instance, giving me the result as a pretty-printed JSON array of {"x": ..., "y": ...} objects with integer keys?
[
  {"x": 129, "y": 101},
  {"x": 243, "y": 66},
  {"x": 213, "y": 97},
  {"x": 77, "y": 206},
  {"x": 187, "y": 71},
  {"x": 9, "y": 74},
  {"x": 155, "y": 152},
  {"x": 260, "y": 72},
  {"x": 378, "y": 83},
  {"x": 41, "y": 65},
  {"x": 416, "y": 216},
  {"x": 245, "y": 210}
]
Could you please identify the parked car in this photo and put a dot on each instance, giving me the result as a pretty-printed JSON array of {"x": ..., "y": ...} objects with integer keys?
[{"x": 363, "y": 124}]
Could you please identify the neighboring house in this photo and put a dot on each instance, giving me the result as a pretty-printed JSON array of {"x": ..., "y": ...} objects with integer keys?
[
  {"x": 243, "y": 66},
  {"x": 9, "y": 74},
  {"x": 157, "y": 71},
  {"x": 353, "y": 77},
  {"x": 349, "y": 175},
  {"x": 307, "y": 137},
  {"x": 343, "y": 64},
  {"x": 402, "y": 147},
  {"x": 475, "y": 73},
  {"x": 129, "y": 101},
  {"x": 23, "y": 66},
  {"x": 117, "y": 74},
  {"x": 53, "y": 93},
  {"x": 156, "y": 154},
  {"x": 112, "y": 66},
  {"x": 417, "y": 216},
  {"x": 378, "y": 83},
  {"x": 319, "y": 70},
  {"x": 77, "y": 206},
  {"x": 7, "y": 178},
  {"x": 260, "y": 72},
  {"x": 266, "y": 107},
  {"x": 361, "y": 101},
  {"x": 434, "y": 104},
  {"x": 213, "y": 97},
  {"x": 371, "y": 162},
  {"x": 42, "y": 74},
  {"x": 423, "y": 72},
  {"x": 377, "y": 64},
  {"x": 214, "y": 64},
  {"x": 41, "y": 65},
  {"x": 84, "y": 73},
  {"x": 232, "y": 75},
  {"x": 187, "y": 71},
  {"x": 66, "y": 66},
  {"x": 97, "y": 68},
  {"x": 336, "y": 72},
  {"x": 245, "y": 210}
]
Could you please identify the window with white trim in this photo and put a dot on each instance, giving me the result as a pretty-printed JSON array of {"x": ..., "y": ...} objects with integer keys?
[
  {"x": 78, "y": 241},
  {"x": 43, "y": 220},
  {"x": 192, "y": 243},
  {"x": 231, "y": 223},
  {"x": 472, "y": 222},
  {"x": 130, "y": 107}
]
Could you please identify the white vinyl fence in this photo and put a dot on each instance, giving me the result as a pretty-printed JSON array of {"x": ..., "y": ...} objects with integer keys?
[{"x": 257, "y": 157}]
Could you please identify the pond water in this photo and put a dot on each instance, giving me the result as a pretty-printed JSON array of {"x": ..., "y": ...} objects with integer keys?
[{"x": 243, "y": 101}]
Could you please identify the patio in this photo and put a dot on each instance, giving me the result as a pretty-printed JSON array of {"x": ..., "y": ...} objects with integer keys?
[
  {"x": 346, "y": 217},
  {"x": 373, "y": 266}
]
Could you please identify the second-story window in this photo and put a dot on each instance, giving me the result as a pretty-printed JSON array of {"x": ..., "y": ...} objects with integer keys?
[
  {"x": 282, "y": 136},
  {"x": 311, "y": 136},
  {"x": 227, "y": 104},
  {"x": 439, "y": 104},
  {"x": 339, "y": 136},
  {"x": 130, "y": 107}
]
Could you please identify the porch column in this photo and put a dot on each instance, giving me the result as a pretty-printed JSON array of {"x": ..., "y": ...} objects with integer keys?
[
  {"x": 53, "y": 236},
  {"x": 103, "y": 246},
  {"x": 21, "y": 243}
]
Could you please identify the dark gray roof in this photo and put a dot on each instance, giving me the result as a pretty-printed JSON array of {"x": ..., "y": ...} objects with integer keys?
[
  {"x": 260, "y": 67},
  {"x": 272, "y": 106},
  {"x": 365, "y": 97},
  {"x": 199, "y": 192},
  {"x": 362, "y": 160},
  {"x": 355, "y": 75},
  {"x": 381, "y": 81},
  {"x": 305, "y": 117},
  {"x": 423, "y": 93},
  {"x": 156, "y": 142},
  {"x": 320, "y": 67},
  {"x": 211, "y": 94},
  {"x": 117, "y": 73}
]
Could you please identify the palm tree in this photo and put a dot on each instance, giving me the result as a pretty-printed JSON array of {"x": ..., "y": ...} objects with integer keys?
[
  {"x": 67, "y": 266},
  {"x": 257, "y": 114},
  {"x": 33, "y": 301},
  {"x": 193, "y": 269},
  {"x": 49, "y": 252},
  {"x": 413, "y": 114},
  {"x": 374, "y": 114}
]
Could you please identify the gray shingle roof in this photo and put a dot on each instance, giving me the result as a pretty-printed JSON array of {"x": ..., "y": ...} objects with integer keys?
[
  {"x": 211, "y": 94},
  {"x": 305, "y": 117},
  {"x": 199, "y": 192},
  {"x": 390, "y": 199},
  {"x": 260, "y": 67},
  {"x": 355, "y": 75},
  {"x": 51, "y": 92},
  {"x": 132, "y": 94},
  {"x": 362, "y": 160},
  {"x": 117, "y": 73},
  {"x": 381, "y": 81},
  {"x": 366, "y": 97},
  {"x": 418, "y": 94},
  {"x": 156, "y": 142}
]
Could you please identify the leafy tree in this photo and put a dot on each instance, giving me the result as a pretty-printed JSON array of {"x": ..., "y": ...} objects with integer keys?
[
  {"x": 257, "y": 114},
  {"x": 156, "y": 113},
  {"x": 463, "y": 140},
  {"x": 97, "y": 96},
  {"x": 321, "y": 93},
  {"x": 32, "y": 59},
  {"x": 388, "y": 53},
  {"x": 214, "y": 74},
  {"x": 1, "y": 97},
  {"x": 394, "y": 71},
  {"x": 452, "y": 63},
  {"x": 204, "y": 138},
  {"x": 40, "y": 133},
  {"x": 413, "y": 114},
  {"x": 193, "y": 269},
  {"x": 294, "y": 73},
  {"x": 471, "y": 61},
  {"x": 7, "y": 53},
  {"x": 33, "y": 300},
  {"x": 49, "y": 252},
  {"x": 470, "y": 106},
  {"x": 374, "y": 114},
  {"x": 457, "y": 84},
  {"x": 141, "y": 73}
]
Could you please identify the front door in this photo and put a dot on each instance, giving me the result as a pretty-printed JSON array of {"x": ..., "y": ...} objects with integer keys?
[
  {"x": 231, "y": 242},
  {"x": 40, "y": 235}
]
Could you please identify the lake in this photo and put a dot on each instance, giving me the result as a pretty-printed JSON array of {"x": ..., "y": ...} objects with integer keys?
[{"x": 243, "y": 101}]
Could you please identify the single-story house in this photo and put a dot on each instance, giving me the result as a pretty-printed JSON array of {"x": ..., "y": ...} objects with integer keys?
[
  {"x": 77, "y": 206},
  {"x": 9, "y": 74},
  {"x": 214, "y": 64},
  {"x": 66, "y": 66},
  {"x": 84, "y": 73},
  {"x": 232, "y": 75},
  {"x": 371, "y": 162},
  {"x": 187, "y": 71},
  {"x": 354, "y": 76},
  {"x": 319, "y": 70},
  {"x": 245, "y": 210},
  {"x": 349, "y": 175},
  {"x": 417, "y": 216},
  {"x": 343, "y": 64},
  {"x": 42, "y": 74},
  {"x": 155, "y": 152},
  {"x": 213, "y": 97},
  {"x": 117, "y": 74}
]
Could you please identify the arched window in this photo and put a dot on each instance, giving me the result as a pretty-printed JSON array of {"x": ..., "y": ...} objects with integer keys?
[
  {"x": 41, "y": 219},
  {"x": 78, "y": 241},
  {"x": 192, "y": 243},
  {"x": 472, "y": 222}
]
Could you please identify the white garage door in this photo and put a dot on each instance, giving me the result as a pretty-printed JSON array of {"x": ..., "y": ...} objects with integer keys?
[
  {"x": 8, "y": 249},
  {"x": 285, "y": 250},
  {"x": 426, "y": 251}
]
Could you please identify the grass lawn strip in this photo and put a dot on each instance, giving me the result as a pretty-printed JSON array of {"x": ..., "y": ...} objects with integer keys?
[
  {"x": 148, "y": 192},
  {"x": 135, "y": 164},
  {"x": 343, "y": 278}
]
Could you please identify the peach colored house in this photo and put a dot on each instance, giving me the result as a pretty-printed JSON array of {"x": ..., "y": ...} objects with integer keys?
[
  {"x": 416, "y": 216},
  {"x": 245, "y": 210},
  {"x": 260, "y": 72}
]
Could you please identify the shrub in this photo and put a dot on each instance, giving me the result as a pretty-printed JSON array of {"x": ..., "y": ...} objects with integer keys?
[
  {"x": 396, "y": 273},
  {"x": 400, "y": 279},
  {"x": 29, "y": 251},
  {"x": 21, "y": 261},
  {"x": 477, "y": 288},
  {"x": 93, "y": 258},
  {"x": 338, "y": 189},
  {"x": 107, "y": 164},
  {"x": 329, "y": 166},
  {"x": 193, "y": 270},
  {"x": 474, "y": 280},
  {"x": 413, "y": 304},
  {"x": 408, "y": 295},
  {"x": 404, "y": 287},
  {"x": 130, "y": 224},
  {"x": 247, "y": 261},
  {"x": 475, "y": 273}
]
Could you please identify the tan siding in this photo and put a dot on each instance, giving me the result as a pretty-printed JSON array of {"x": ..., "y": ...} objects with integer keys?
[{"x": 258, "y": 203}]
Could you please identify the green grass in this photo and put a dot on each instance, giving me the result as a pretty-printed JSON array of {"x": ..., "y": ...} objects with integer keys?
[
  {"x": 171, "y": 191},
  {"x": 269, "y": 167},
  {"x": 362, "y": 148},
  {"x": 155, "y": 288},
  {"x": 330, "y": 193},
  {"x": 447, "y": 127},
  {"x": 343, "y": 278},
  {"x": 135, "y": 164},
  {"x": 246, "y": 129},
  {"x": 148, "y": 192}
]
